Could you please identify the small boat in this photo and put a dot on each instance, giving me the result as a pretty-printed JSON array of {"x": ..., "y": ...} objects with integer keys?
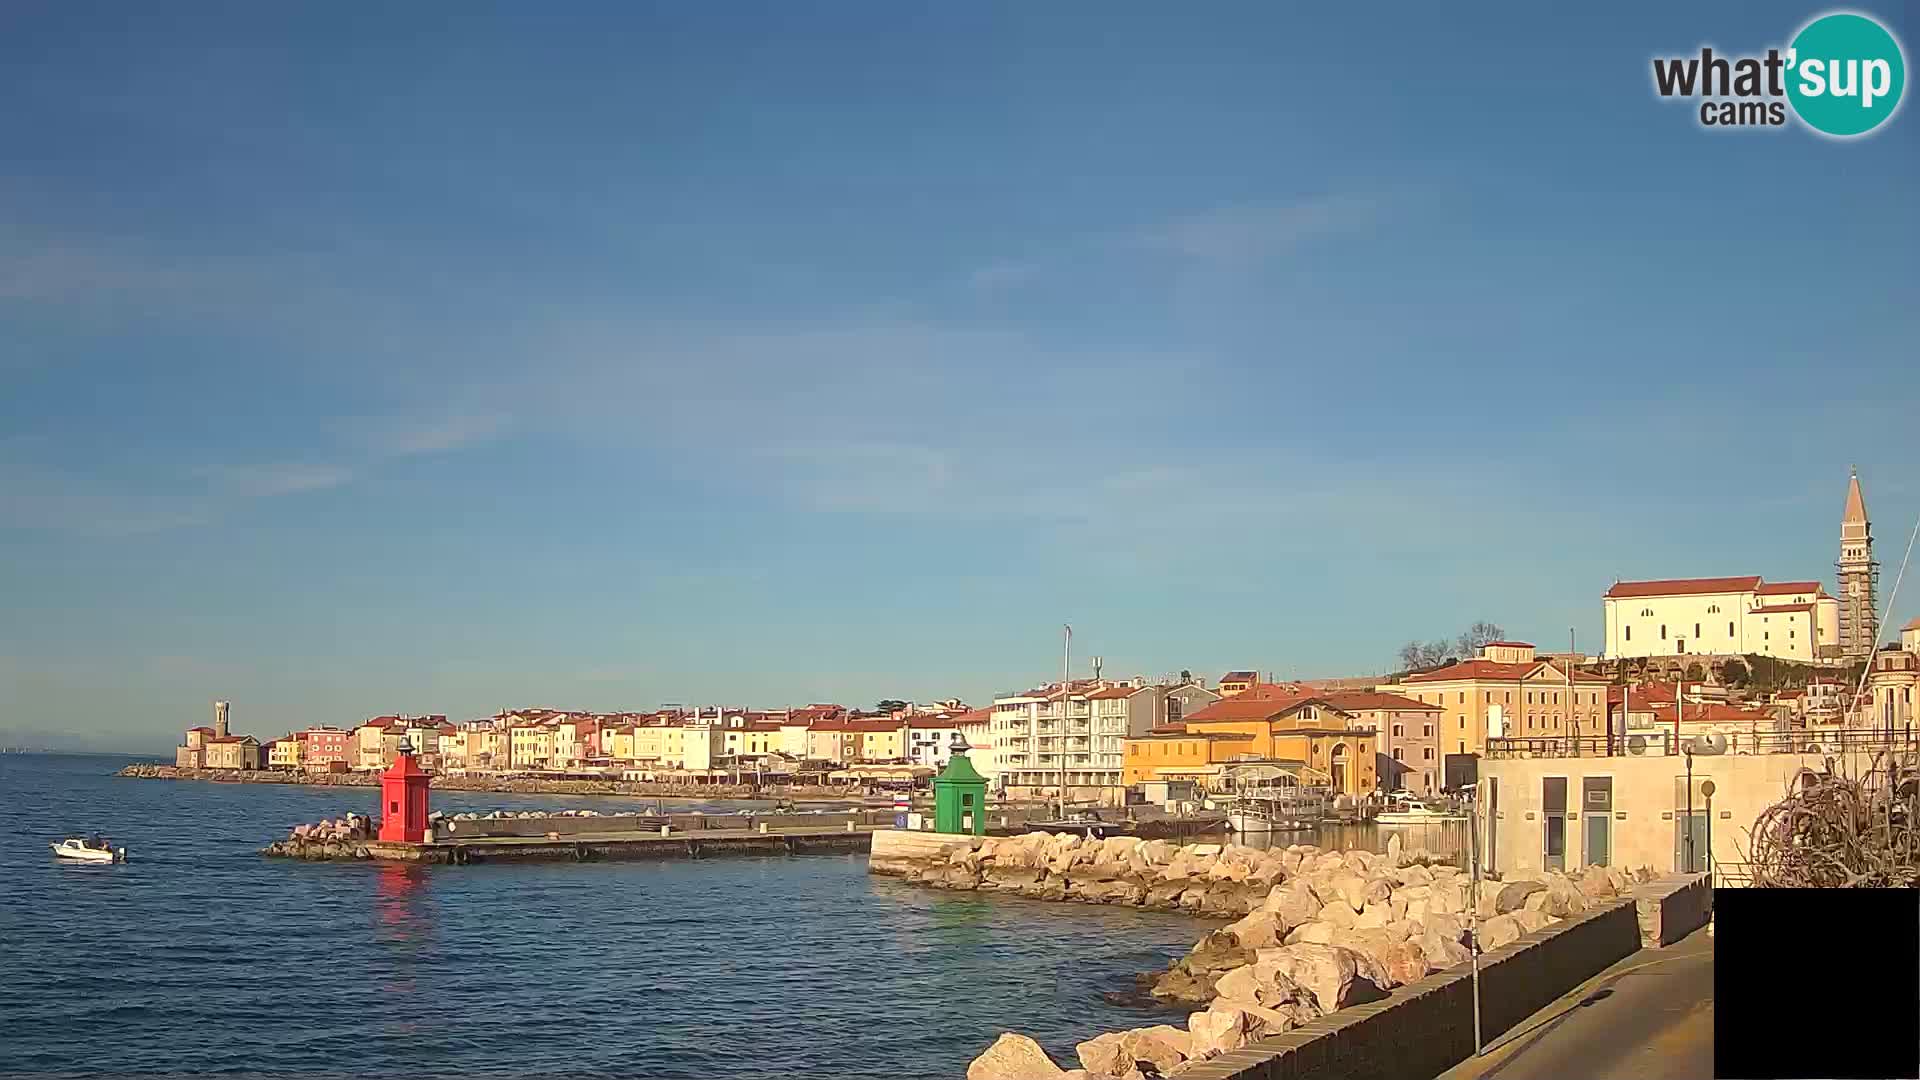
[
  {"x": 96, "y": 849},
  {"x": 1411, "y": 811}
]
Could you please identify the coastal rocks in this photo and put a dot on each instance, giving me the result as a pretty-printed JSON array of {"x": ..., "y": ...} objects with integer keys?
[
  {"x": 1014, "y": 1057},
  {"x": 1328, "y": 972},
  {"x": 1512, "y": 897},
  {"x": 332, "y": 838},
  {"x": 1498, "y": 931}
]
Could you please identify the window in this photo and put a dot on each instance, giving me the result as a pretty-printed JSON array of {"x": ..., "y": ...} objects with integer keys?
[
  {"x": 1629, "y": 633},
  {"x": 1646, "y": 612},
  {"x": 1729, "y": 629},
  {"x": 1427, "y": 730},
  {"x": 1396, "y": 754},
  {"x": 1398, "y": 731},
  {"x": 1426, "y": 753},
  {"x": 1713, "y": 609},
  {"x": 1696, "y": 629},
  {"x": 1463, "y": 747},
  {"x": 1663, "y": 631},
  {"x": 1529, "y": 697},
  {"x": 1463, "y": 722},
  {"x": 1463, "y": 698}
]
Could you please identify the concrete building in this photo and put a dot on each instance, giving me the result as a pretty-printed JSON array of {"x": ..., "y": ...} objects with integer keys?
[
  {"x": 321, "y": 747},
  {"x": 1409, "y": 737},
  {"x": 1728, "y": 616},
  {"x": 1507, "y": 691},
  {"x": 1638, "y": 809},
  {"x": 931, "y": 738},
  {"x": 976, "y": 727},
  {"x": 1858, "y": 629},
  {"x": 192, "y": 751},
  {"x": 1234, "y": 683},
  {"x": 1032, "y": 732},
  {"x": 1891, "y": 682}
]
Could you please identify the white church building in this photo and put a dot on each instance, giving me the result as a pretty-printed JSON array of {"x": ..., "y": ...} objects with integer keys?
[
  {"x": 1730, "y": 616},
  {"x": 1726, "y": 616}
]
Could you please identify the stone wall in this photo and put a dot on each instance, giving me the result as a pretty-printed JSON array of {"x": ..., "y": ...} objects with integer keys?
[
  {"x": 1323, "y": 932},
  {"x": 1671, "y": 907}
]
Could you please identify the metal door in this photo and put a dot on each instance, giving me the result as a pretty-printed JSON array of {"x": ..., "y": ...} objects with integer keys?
[
  {"x": 1599, "y": 839},
  {"x": 1689, "y": 859}
]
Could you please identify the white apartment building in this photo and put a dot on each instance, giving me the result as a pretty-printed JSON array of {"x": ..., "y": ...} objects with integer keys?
[
  {"x": 1730, "y": 616},
  {"x": 1038, "y": 733}
]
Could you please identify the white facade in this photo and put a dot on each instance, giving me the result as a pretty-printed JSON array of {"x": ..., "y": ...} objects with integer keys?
[
  {"x": 1721, "y": 617},
  {"x": 1032, "y": 732}
]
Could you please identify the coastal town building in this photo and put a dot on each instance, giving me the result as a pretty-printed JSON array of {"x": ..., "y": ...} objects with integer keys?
[
  {"x": 284, "y": 752},
  {"x": 1506, "y": 691},
  {"x": 239, "y": 752},
  {"x": 1726, "y": 616},
  {"x": 192, "y": 751},
  {"x": 1043, "y": 737},
  {"x": 1238, "y": 682},
  {"x": 324, "y": 748},
  {"x": 1409, "y": 737},
  {"x": 931, "y": 738},
  {"x": 1891, "y": 683},
  {"x": 1323, "y": 744}
]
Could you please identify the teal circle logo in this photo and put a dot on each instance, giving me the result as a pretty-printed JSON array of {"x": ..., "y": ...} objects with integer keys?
[{"x": 1845, "y": 74}]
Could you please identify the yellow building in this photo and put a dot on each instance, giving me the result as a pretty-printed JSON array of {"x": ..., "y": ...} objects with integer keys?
[
  {"x": 531, "y": 746},
  {"x": 661, "y": 744},
  {"x": 1327, "y": 743},
  {"x": 377, "y": 742},
  {"x": 617, "y": 743},
  {"x": 881, "y": 740},
  {"x": 1507, "y": 692},
  {"x": 1180, "y": 755},
  {"x": 284, "y": 753}
]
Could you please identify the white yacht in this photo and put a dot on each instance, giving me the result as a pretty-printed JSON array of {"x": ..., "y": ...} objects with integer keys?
[
  {"x": 1407, "y": 810},
  {"x": 96, "y": 849}
]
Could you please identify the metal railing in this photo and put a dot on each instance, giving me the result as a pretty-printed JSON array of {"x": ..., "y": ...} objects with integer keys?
[{"x": 1664, "y": 743}]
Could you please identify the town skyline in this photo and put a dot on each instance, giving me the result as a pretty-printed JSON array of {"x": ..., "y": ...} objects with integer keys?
[{"x": 854, "y": 365}]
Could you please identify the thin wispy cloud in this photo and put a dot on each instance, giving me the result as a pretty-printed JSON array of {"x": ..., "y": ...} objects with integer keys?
[
  {"x": 40, "y": 499},
  {"x": 436, "y": 435},
  {"x": 1255, "y": 232},
  {"x": 269, "y": 480}
]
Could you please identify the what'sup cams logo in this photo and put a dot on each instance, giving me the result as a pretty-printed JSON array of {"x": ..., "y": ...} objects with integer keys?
[{"x": 1842, "y": 76}]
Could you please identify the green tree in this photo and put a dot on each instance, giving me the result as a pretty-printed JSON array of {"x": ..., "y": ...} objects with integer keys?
[{"x": 1696, "y": 673}]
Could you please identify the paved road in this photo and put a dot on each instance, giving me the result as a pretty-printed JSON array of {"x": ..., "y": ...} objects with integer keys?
[{"x": 1648, "y": 1017}]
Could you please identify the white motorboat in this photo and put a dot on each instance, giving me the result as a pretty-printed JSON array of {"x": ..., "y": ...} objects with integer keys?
[
  {"x": 96, "y": 849},
  {"x": 1411, "y": 811}
]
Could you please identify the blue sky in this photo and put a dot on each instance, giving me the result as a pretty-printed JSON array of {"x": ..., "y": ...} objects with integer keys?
[{"x": 443, "y": 359}]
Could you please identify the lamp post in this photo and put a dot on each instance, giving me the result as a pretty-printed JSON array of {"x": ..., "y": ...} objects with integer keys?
[
  {"x": 1686, "y": 835},
  {"x": 1066, "y": 708},
  {"x": 1473, "y": 908},
  {"x": 1706, "y": 788}
]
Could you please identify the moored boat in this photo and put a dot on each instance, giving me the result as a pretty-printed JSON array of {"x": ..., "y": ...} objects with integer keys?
[
  {"x": 1411, "y": 811},
  {"x": 94, "y": 849}
]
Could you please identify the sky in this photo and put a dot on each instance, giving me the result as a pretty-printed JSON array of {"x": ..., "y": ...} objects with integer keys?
[{"x": 445, "y": 358}]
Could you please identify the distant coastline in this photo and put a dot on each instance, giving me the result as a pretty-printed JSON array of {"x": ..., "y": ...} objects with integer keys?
[{"x": 502, "y": 785}]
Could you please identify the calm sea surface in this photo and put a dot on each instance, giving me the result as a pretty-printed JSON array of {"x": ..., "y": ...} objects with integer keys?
[{"x": 200, "y": 956}]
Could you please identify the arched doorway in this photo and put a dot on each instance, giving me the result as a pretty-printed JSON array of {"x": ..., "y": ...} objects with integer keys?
[{"x": 1339, "y": 768}]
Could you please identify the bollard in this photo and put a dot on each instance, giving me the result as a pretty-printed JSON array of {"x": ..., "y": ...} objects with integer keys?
[
  {"x": 666, "y": 830},
  {"x": 850, "y": 825},
  {"x": 763, "y": 828}
]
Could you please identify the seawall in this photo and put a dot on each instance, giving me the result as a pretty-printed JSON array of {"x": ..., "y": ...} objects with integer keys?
[{"x": 1426, "y": 1027}]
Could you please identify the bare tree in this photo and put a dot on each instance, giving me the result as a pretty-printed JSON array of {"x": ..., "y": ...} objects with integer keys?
[
  {"x": 1415, "y": 655},
  {"x": 1477, "y": 636}
]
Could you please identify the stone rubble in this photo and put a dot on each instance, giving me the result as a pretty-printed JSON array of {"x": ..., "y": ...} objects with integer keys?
[{"x": 1317, "y": 931}]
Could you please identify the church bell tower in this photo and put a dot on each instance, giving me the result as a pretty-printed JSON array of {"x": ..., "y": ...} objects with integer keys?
[{"x": 1859, "y": 577}]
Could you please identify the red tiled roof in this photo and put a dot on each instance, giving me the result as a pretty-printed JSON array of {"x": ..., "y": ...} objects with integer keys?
[
  {"x": 1243, "y": 707},
  {"x": 1352, "y": 700},
  {"x": 1683, "y": 586},
  {"x": 974, "y": 716},
  {"x": 208, "y": 730},
  {"x": 232, "y": 739},
  {"x": 873, "y": 725},
  {"x": 1240, "y": 676},
  {"x": 1780, "y": 588},
  {"x": 1781, "y": 609},
  {"x": 1709, "y": 714},
  {"x": 936, "y": 721},
  {"x": 1493, "y": 670},
  {"x": 1112, "y": 692},
  {"x": 1509, "y": 645},
  {"x": 1914, "y": 625}
]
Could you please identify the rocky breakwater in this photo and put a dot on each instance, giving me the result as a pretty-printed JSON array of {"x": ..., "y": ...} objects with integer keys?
[
  {"x": 1202, "y": 879},
  {"x": 1334, "y": 929},
  {"x": 344, "y": 837}
]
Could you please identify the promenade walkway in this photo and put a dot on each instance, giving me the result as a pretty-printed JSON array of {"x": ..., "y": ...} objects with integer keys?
[{"x": 1648, "y": 1017}]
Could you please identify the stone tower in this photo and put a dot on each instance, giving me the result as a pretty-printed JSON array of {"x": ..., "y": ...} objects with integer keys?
[
  {"x": 1859, "y": 577},
  {"x": 219, "y": 719}
]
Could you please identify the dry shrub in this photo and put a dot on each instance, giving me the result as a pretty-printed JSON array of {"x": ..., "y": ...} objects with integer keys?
[{"x": 1840, "y": 831}]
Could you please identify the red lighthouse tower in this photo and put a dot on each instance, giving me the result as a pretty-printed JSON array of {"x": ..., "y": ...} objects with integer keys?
[{"x": 403, "y": 800}]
